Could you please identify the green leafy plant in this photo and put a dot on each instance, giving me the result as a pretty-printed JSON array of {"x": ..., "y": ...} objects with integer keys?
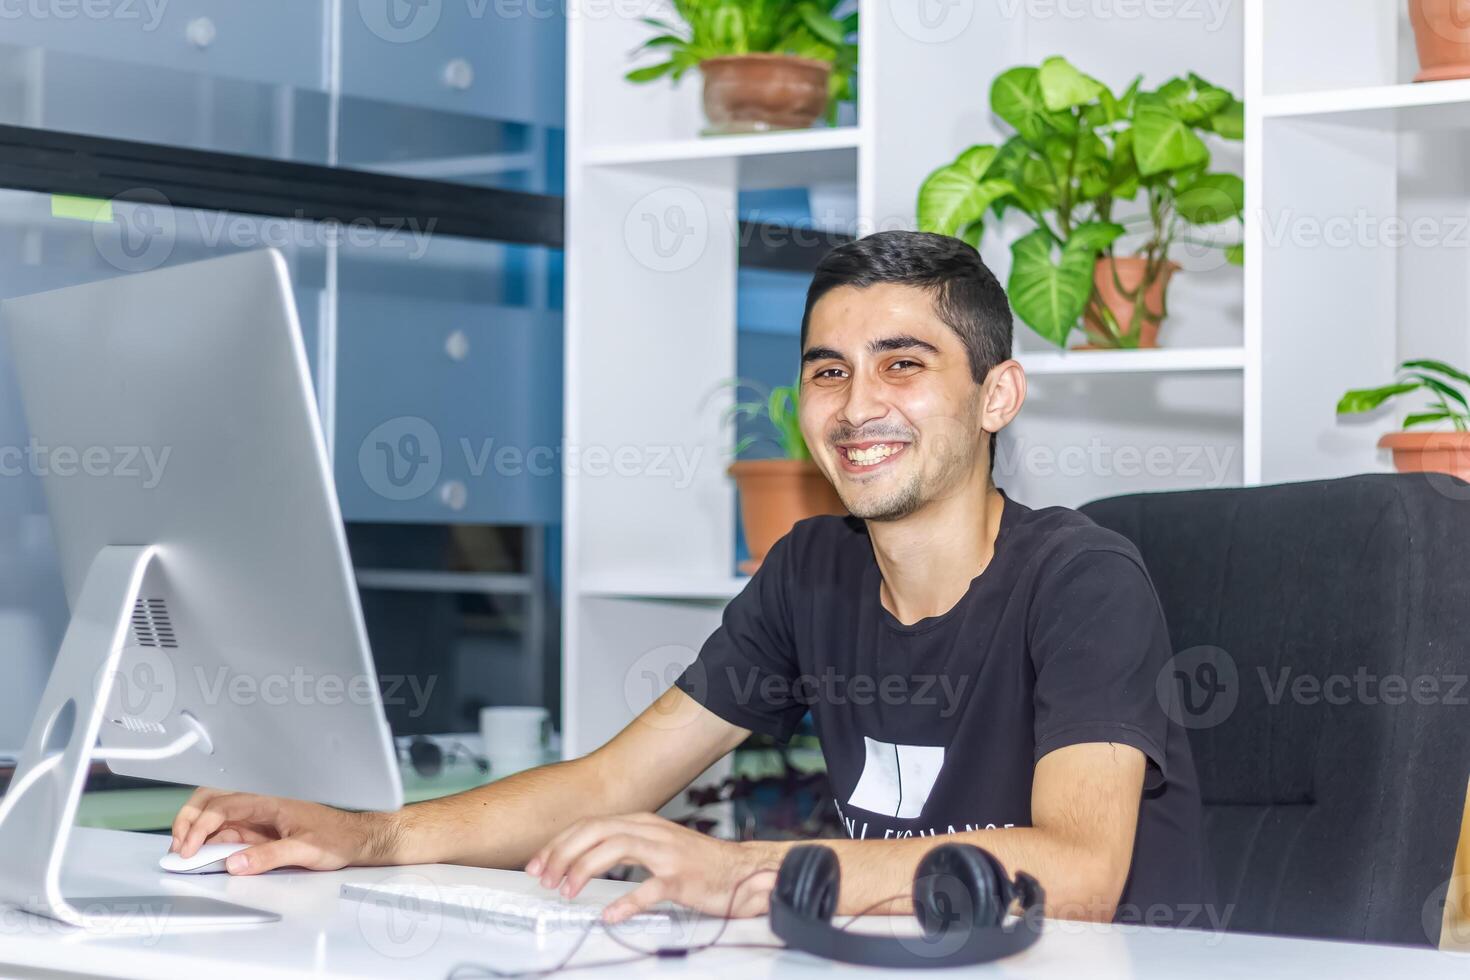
[
  {"x": 714, "y": 28},
  {"x": 1079, "y": 152},
  {"x": 1442, "y": 382},
  {"x": 779, "y": 407}
]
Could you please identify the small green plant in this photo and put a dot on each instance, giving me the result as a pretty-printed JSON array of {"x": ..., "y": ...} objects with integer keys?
[
  {"x": 1442, "y": 382},
  {"x": 780, "y": 407},
  {"x": 714, "y": 28},
  {"x": 1078, "y": 152}
]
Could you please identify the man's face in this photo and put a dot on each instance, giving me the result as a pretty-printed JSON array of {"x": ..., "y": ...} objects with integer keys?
[{"x": 889, "y": 408}]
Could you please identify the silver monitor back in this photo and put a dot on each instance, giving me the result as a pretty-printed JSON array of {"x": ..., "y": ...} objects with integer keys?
[{"x": 175, "y": 410}]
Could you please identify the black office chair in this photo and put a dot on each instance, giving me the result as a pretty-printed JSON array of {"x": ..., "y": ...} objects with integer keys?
[{"x": 1331, "y": 814}]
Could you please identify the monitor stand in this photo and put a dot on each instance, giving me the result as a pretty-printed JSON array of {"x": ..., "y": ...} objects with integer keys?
[{"x": 38, "y": 810}]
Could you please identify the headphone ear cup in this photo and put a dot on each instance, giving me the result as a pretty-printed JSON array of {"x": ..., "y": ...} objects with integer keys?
[
  {"x": 808, "y": 881},
  {"x": 1029, "y": 892},
  {"x": 959, "y": 883}
]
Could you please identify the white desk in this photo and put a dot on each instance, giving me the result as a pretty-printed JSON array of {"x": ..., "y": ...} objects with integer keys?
[{"x": 322, "y": 935}]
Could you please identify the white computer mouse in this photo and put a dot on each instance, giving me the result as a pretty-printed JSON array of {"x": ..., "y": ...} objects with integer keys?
[{"x": 208, "y": 859}]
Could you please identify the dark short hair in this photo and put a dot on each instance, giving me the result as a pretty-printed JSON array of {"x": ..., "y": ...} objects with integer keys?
[{"x": 967, "y": 296}]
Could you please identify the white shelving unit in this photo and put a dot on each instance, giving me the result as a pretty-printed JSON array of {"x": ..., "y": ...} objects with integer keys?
[
  {"x": 1358, "y": 237},
  {"x": 1242, "y": 392}
]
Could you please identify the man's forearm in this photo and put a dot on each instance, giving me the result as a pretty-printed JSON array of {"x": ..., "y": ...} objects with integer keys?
[
  {"x": 500, "y": 825},
  {"x": 878, "y": 875}
]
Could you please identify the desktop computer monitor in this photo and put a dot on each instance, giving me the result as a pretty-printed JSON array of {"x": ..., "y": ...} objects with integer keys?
[{"x": 215, "y": 636}]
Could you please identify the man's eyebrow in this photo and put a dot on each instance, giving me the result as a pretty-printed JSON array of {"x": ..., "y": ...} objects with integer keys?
[
  {"x": 820, "y": 354},
  {"x": 901, "y": 343}
]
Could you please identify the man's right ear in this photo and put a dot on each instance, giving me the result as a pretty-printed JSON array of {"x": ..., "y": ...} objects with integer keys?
[{"x": 1004, "y": 394}]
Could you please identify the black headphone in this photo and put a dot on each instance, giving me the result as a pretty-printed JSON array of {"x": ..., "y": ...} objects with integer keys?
[{"x": 961, "y": 897}]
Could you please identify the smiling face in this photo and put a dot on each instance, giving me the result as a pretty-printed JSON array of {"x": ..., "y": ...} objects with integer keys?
[{"x": 889, "y": 407}]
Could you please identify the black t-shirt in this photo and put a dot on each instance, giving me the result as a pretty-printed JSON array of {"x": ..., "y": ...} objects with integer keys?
[{"x": 936, "y": 727}]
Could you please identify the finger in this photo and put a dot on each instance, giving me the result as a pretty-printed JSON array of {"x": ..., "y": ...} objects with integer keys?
[
  {"x": 615, "y": 850},
  {"x": 188, "y": 813},
  {"x": 645, "y": 896},
  {"x": 239, "y": 833},
  {"x": 537, "y": 864},
  {"x": 230, "y": 807},
  {"x": 574, "y": 843},
  {"x": 286, "y": 852}
]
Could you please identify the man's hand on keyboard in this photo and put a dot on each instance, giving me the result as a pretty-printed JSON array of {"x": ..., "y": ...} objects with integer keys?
[
  {"x": 285, "y": 833},
  {"x": 686, "y": 866}
]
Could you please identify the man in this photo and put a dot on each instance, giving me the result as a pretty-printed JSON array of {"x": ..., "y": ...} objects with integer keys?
[{"x": 976, "y": 670}]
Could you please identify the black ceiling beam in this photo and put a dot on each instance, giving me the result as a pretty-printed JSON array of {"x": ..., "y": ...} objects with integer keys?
[
  {"x": 51, "y": 162},
  {"x": 785, "y": 248}
]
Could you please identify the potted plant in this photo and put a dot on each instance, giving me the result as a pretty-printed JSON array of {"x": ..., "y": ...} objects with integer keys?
[
  {"x": 1419, "y": 452},
  {"x": 1079, "y": 152},
  {"x": 767, "y": 64},
  {"x": 1442, "y": 36},
  {"x": 776, "y": 493}
]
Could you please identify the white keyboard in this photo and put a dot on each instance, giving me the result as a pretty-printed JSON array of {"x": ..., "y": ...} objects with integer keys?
[{"x": 494, "y": 906}]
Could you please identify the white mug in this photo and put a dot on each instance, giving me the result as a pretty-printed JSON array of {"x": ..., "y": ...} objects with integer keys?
[{"x": 509, "y": 731}]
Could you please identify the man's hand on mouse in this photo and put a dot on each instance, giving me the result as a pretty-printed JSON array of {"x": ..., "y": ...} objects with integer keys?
[
  {"x": 282, "y": 833},
  {"x": 686, "y": 866}
]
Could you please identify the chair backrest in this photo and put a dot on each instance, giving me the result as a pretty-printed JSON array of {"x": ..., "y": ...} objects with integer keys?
[{"x": 1322, "y": 649}]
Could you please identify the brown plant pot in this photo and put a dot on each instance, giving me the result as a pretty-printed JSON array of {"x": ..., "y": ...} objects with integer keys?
[
  {"x": 1430, "y": 452},
  {"x": 1131, "y": 269},
  {"x": 1442, "y": 34},
  {"x": 750, "y": 93},
  {"x": 774, "y": 495}
]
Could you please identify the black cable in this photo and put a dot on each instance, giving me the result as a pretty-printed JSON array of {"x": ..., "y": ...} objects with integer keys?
[{"x": 473, "y": 971}]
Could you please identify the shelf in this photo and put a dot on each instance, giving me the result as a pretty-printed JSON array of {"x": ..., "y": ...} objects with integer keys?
[
  {"x": 717, "y": 147},
  {"x": 796, "y": 158},
  {"x": 1412, "y": 106},
  {"x": 685, "y": 588},
  {"x": 1162, "y": 360}
]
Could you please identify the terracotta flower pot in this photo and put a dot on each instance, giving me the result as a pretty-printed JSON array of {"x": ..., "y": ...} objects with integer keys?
[
  {"x": 1442, "y": 33},
  {"x": 1430, "y": 452},
  {"x": 748, "y": 93},
  {"x": 774, "y": 495},
  {"x": 1131, "y": 270}
]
